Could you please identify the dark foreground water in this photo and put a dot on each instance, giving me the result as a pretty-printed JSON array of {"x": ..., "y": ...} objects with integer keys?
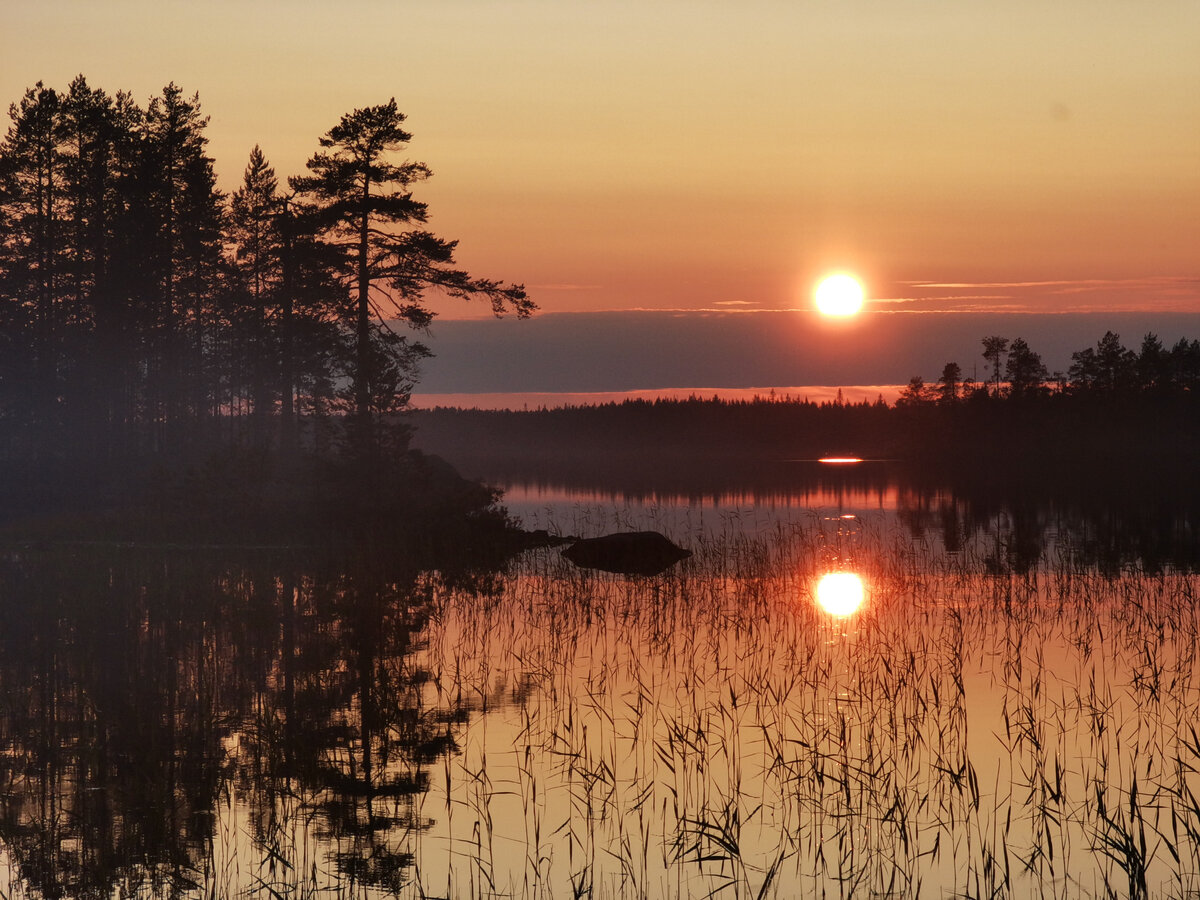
[{"x": 855, "y": 687}]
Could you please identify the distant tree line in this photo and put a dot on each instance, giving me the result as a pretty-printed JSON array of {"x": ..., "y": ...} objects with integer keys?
[
  {"x": 1113, "y": 405},
  {"x": 694, "y": 429},
  {"x": 1109, "y": 371},
  {"x": 146, "y": 314}
]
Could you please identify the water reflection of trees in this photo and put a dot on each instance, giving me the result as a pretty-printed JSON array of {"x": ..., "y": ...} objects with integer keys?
[
  {"x": 1085, "y": 518},
  {"x": 1098, "y": 515},
  {"x": 140, "y": 691},
  {"x": 719, "y": 482}
]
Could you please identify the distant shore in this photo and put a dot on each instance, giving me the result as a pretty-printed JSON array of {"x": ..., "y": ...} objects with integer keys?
[
  {"x": 1047, "y": 430},
  {"x": 524, "y": 400}
]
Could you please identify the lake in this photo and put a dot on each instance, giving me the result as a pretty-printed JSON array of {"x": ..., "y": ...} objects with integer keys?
[{"x": 993, "y": 697}]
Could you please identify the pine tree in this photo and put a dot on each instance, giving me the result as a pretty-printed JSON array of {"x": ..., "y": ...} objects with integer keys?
[
  {"x": 994, "y": 348},
  {"x": 950, "y": 383},
  {"x": 1025, "y": 371},
  {"x": 32, "y": 260},
  {"x": 181, "y": 218},
  {"x": 257, "y": 264},
  {"x": 282, "y": 329},
  {"x": 361, "y": 201},
  {"x": 100, "y": 144}
]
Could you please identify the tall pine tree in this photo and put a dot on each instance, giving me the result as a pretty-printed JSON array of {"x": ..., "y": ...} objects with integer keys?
[
  {"x": 32, "y": 175},
  {"x": 257, "y": 263},
  {"x": 181, "y": 220},
  {"x": 361, "y": 200}
]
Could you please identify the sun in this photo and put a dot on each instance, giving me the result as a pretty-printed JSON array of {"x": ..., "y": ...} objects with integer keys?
[
  {"x": 840, "y": 593},
  {"x": 839, "y": 295}
]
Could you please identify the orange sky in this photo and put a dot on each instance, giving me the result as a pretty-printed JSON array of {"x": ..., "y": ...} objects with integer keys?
[{"x": 701, "y": 154}]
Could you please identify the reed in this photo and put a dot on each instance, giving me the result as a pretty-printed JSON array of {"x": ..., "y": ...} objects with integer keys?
[
  {"x": 975, "y": 730},
  {"x": 711, "y": 732}
]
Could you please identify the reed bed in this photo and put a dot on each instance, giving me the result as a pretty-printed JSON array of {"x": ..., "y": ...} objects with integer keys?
[
  {"x": 971, "y": 731},
  {"x": 711, "y": 732}
]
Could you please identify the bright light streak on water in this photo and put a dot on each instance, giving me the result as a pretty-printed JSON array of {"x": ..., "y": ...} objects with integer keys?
[{"x": 840, "y": 594}]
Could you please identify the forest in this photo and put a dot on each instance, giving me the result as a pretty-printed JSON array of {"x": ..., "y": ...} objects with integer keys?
[
  {"x": 145, "y": 313},
  {"x": 151, "y": 323},
  {"x": 1114, "y": 406}
]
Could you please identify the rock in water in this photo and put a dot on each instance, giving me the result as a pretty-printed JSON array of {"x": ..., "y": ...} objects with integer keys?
[{"x": 627, "y": 553}]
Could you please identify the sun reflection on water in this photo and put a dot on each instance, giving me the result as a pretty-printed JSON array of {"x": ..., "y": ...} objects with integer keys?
[{"x": 840, "y": 594}]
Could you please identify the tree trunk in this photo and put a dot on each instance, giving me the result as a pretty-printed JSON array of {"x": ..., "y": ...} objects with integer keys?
[
  {"x": 362, "y": 384},
  {"x": 287, "y": 409}
]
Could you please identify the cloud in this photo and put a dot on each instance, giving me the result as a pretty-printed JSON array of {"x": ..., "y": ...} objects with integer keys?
[
  {"x": 1155, "y": 293},
  {"x": 1071, "y": 284},
  {"x": 969, "y": 285},
  {"x": 955, "y": 303},
  {"x": 716, "y": 309},
  {"x": 964, "y": 309}
]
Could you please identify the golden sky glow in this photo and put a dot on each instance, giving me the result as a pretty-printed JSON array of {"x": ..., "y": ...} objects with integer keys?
[{"x": 716, "y": 155}]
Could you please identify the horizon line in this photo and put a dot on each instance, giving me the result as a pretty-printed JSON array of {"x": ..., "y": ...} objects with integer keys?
[{"x": 497, "y": 400}]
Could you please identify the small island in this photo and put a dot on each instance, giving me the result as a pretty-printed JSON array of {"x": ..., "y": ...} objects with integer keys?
[{"x": 185, "y": 363}]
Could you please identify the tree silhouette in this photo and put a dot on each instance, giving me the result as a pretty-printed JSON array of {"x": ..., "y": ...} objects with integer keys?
[
  {"x": 1153, "y": 365},
  {"x": 994, "y": 348},
  {"x": 1185, "y": 365},
  {"x": 181, "y": 212},
  {"x": 362, "y": 202},
  {"x": 915, "y": 393},
  {"x": 1025, "y": 371},
  {"x": 1106, "y": 369},
  {"x": 145, "y": 316},
  {"x": 32, "y": 180},
  {"x": 101, "y": 139},
  {"x": 257, "y": 274},
  {"x": 950, "y": 383}
]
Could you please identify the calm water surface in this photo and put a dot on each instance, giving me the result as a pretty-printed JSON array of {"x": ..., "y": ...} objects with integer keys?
[{"x": 1009, "y": 711}]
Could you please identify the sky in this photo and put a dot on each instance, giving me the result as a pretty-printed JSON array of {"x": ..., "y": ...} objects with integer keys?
[
  {"x": 604, "y": 352},
  {"x": 709, "y": 158}
]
